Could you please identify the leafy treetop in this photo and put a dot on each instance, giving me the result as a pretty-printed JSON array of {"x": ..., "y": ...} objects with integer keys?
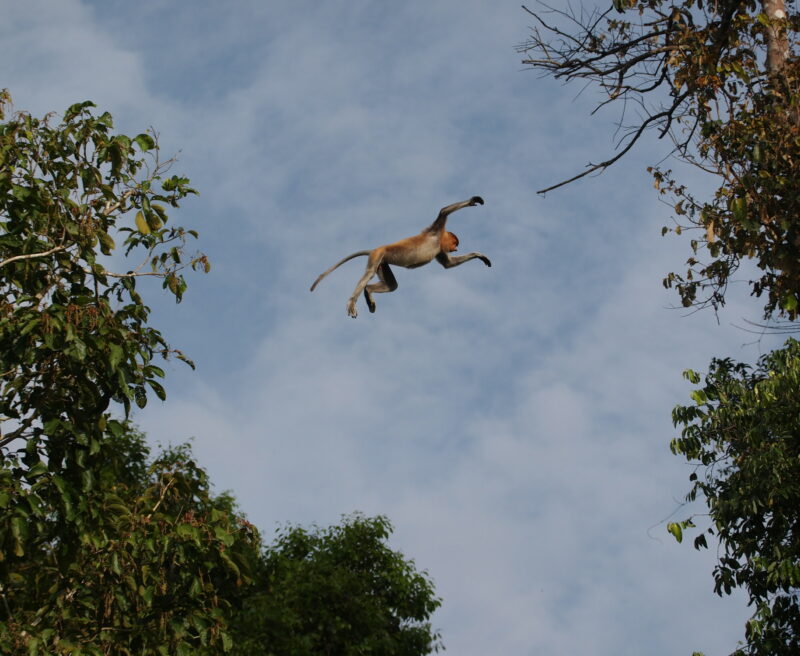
[
  {"x": 73, "y": 331},
  {"x": 742, "y": 434}
]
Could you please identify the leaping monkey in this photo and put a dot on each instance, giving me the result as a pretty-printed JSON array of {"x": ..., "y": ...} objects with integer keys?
[{"x": 412, "y": 252}]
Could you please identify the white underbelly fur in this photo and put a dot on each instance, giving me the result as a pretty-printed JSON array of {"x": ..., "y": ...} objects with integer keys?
[{"x": 421, "y": 255}]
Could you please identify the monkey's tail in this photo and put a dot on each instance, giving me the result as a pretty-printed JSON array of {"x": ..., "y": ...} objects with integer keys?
[{"x": 337, "y": 265}]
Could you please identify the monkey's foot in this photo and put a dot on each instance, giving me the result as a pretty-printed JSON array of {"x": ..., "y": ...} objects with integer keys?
[{"x": 370, "y": 304}]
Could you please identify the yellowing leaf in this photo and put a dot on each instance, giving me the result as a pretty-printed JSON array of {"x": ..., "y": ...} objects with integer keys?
[
  {"x": 675, "y": 530},
  {"x": 141, "y": 224}
]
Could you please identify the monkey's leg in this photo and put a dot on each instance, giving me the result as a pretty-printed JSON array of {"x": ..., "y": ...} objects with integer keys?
[
  {"x": 373, "y": 263},
  {"x": 388, "y": 283}
]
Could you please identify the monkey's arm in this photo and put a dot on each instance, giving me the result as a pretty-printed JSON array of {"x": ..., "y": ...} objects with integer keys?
[
  {"x": 449, "y": 262},
  {"x": 449, "y": 209}
]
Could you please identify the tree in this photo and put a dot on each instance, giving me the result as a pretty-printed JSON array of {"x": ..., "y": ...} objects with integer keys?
[
  {"x": 159, "y": 565},
  {"x": 338, "y": 591},
  {"x": 95, "y": 557},
  {"x": 743, "y": 436},
  {"x": 721, "y": 81}
]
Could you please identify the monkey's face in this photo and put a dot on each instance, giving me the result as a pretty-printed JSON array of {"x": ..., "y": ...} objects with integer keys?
[{"x": 449, "y": 242}]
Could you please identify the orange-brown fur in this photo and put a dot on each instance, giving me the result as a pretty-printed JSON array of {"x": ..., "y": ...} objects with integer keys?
[{"x": 432, "y": 243}]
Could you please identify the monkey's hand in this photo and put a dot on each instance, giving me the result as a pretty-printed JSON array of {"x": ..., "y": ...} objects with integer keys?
[
  {"x": 475, "y": 200},
  {"x": 485, "y": 260},
  {"x": 351, "y": 309}
]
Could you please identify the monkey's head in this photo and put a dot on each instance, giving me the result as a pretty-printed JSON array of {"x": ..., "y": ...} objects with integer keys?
[{"x": 449, "y": 242}]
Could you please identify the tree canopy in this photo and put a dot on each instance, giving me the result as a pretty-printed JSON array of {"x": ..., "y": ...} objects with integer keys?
[
  {"x": 720, "y": 80},
  {"x": 742, "y": 434},
  {"x": 144, "y": 561},
  {"x": 339, "y": 591},
  {"x": 98, "y": 555}
]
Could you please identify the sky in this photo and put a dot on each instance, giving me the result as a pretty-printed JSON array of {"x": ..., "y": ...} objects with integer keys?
[{"x": 512, "y": 422}]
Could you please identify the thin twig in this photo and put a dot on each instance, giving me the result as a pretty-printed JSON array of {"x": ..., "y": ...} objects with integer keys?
[{"x": 161, "y": 498}]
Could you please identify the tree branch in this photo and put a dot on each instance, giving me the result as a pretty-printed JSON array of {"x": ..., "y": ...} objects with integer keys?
[
  {"x": 667, "y": 113},
  {"x": 30, "y": 256}
]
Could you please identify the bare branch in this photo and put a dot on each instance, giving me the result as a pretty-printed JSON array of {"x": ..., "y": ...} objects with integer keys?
[
  {"x": 30, "y": 256},
  {"x": 15, "y": 434},
  {"x": 604, "y": 165},
  {"x": 164, "y": 491},
  {"x": 129, "y": 274}
]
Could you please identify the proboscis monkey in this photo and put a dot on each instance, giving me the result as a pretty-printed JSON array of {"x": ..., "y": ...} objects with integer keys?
[{"x": 412, "y": 252}]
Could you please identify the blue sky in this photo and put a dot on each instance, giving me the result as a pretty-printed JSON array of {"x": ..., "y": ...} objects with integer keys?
[{"x": 512, "y": 422}]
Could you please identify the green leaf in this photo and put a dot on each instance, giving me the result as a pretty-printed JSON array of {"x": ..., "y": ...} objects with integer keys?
[
  {"x": 172, "y": 283},
  {"x": 231, "y": 565},
  {"x": 37, "y": 470},
  {"x": 115, "y": 355},
  {"x": 33, "y": 323},
  {"x": 184, "y": 649},
  {"x": 117, "y": 429},
  {"x": 187, "y": 531},
  {"x": 676, "y": 531},
  {"x": 77, "y": 350},
  {"x": 699, "y": 397},
  {"x": 33, "y": 646},
  {"x": 140, "y": 397},
  {"x": 106, "y": 242},
  {"x": 692, "y": 376},
  {"x": 154, "y": 221},
  {"x": 105, "y": 119},
  {"x": 158, "y": 388},
  {"x": 145, "y": 142},
  {"x": 739, "y": 208},
  {"x": 19, "y": 532},
  {"x": 115, "y": 564}
]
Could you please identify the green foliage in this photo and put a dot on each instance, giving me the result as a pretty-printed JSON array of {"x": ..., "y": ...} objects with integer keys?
[
  {"x": 73, "y": 334},
  {"x": 749, "y": 137},
  {"x": 338, "y": 591},
  {"x": 101, "y": 551},
  {"x": 145, "y": 561},
  {"x": 743, "y": 434}
]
